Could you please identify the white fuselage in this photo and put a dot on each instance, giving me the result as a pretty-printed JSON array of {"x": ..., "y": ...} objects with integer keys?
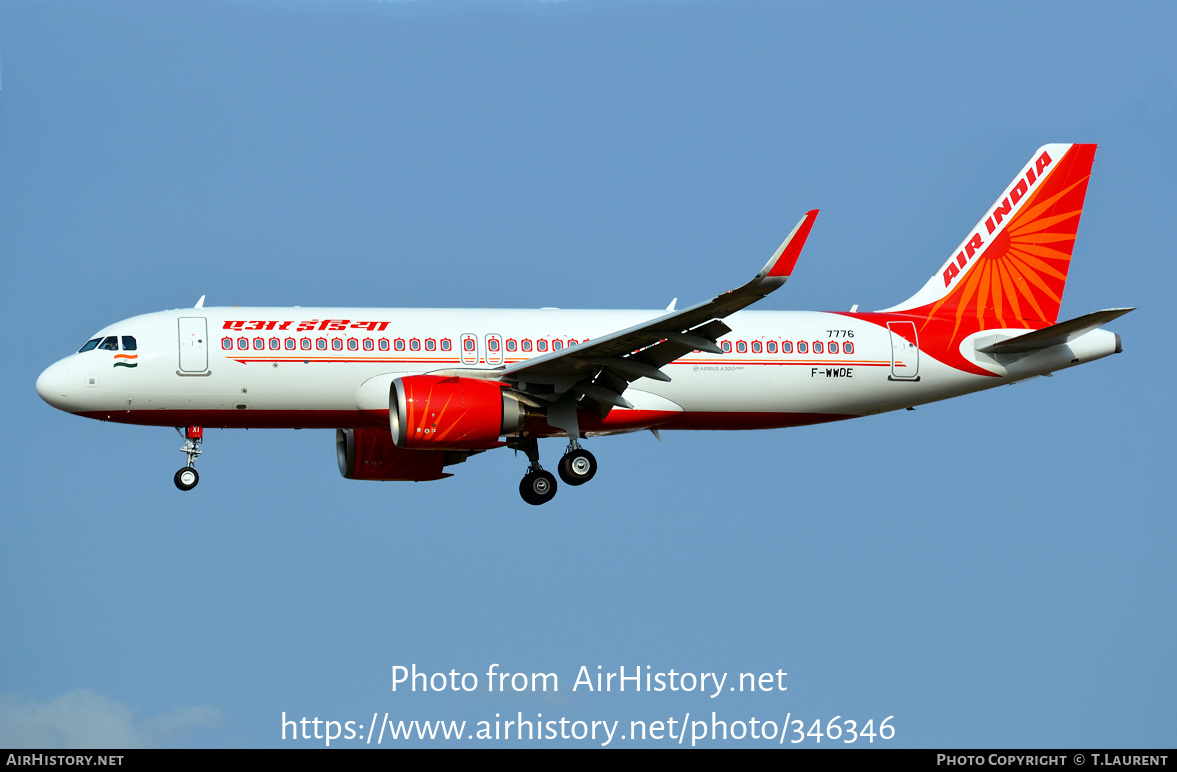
[{"x": 332, "y": 367}]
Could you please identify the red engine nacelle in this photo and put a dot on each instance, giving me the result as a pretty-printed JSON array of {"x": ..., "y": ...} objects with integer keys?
[
  {"x": 369, "y": 454},
  {"x": 450, "y": 413}
]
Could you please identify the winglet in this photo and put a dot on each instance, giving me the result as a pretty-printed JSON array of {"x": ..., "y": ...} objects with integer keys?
[{"x": 785, "y": 258}]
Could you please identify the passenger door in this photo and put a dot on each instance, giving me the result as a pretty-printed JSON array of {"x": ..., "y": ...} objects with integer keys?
[
  {"x": 905, "y": 352},
  {"x": 193, "y": 344}
]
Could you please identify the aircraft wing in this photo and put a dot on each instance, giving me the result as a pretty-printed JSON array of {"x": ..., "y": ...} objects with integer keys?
[{"x": 599, "y": 370}]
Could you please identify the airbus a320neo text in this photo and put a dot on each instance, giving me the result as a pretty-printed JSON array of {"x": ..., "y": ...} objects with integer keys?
[{"x": 412, "y": 392}]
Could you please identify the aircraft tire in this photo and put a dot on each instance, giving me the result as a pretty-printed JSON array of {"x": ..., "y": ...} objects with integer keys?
[
  {"x": 577, "y": 467},
  {"x": 537, "y": 487},
  {"x": 186, "y": 478}
]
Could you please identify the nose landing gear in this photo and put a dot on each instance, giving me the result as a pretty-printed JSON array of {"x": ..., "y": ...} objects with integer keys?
[{"x": 187, "y": 477}]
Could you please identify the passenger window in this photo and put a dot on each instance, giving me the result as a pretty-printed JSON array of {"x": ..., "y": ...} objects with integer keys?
[
  {"x": 90, "y": 344},
  {"x": 527, "y": 344},
  {"x": 557, "y": 345},
  {"x": 110, "y": 344},
  {"x": 541, "y": 345},
  {"x": 128, "y": 343}
]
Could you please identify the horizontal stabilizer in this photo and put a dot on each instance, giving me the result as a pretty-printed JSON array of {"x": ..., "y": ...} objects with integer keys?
[{"x": 1055, "y": 335}]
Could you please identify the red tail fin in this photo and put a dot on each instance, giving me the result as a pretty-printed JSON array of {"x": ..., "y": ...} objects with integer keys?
[{"x": 1011, "y": 269}]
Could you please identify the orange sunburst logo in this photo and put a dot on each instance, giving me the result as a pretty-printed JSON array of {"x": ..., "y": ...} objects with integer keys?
[{"x": 1017, "y": 282}]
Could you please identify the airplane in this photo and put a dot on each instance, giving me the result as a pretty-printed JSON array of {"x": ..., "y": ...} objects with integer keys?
[{"x": 412, "y": 392}]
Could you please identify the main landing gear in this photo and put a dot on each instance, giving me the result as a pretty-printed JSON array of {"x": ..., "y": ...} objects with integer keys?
[
  {"x": 187, "y": 477},
  {"x": 578, "y": 465},
  {"x": 538, "y": 486}
]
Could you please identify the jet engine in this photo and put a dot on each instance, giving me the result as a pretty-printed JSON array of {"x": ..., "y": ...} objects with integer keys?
[
  {"x": 369, "y": 454},
  {"x": 450, "y": 413}
]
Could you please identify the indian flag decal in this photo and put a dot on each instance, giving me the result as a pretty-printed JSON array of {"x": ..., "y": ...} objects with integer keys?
[{"x": 125, "y": 360}]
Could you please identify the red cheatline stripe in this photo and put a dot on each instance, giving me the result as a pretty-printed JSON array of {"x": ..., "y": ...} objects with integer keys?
[{"x": 780, "y": 363}]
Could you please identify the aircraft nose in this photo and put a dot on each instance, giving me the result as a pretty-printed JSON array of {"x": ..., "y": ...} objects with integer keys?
[{"x": 53, "y": 385}]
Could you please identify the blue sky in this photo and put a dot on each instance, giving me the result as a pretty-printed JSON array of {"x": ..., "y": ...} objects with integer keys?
[{"x": 994, "y": 570}]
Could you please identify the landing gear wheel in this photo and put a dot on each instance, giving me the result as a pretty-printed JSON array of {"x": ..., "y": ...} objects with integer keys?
[
  {"x": 577, "y": 467},
  {"x": 187, "y": 478},
  {"x": 537, "y": 487}
]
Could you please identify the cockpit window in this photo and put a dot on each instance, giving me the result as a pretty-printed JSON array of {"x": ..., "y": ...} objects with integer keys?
[
  {"x": 128, "y": 343},
  {"x": 89, "y": 345},
  {"x": 110, "y": 344}
]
